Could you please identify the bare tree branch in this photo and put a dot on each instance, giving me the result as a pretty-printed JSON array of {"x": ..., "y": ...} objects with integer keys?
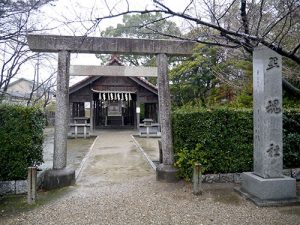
[
  {"x": 295, "y": 49},
  {"x": 251, "y": 40},
  {"x": 14, "y": 25},
  {"x": 290, "y": 88}
]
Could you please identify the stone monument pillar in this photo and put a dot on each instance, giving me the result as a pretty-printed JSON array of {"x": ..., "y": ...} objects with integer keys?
[
  {"x": 267, "y": 183},
  {"x": 61, "y": 176},
  {"x": 165, "y": 171}
]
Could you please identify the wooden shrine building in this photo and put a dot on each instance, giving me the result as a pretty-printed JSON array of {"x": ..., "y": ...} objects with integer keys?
[{"x": 114, "y": 101}]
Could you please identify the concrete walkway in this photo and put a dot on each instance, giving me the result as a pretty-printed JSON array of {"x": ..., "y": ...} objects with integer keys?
[
  {"x": 113, "y": 158},
  {"x": 117, "y": 186}
]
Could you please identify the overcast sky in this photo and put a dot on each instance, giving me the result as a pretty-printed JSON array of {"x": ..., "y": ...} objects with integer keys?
[{"x": 72, "y": 17}]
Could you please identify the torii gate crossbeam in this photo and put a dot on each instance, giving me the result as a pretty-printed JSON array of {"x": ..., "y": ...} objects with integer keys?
[
  {"x": 127, "y": 71},
  {"x": 83, "y": 44}
]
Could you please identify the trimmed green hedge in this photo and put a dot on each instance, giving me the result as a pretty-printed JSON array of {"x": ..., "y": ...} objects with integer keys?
[
  {"x": 221, "y": 140},
  {"x": 21, "y": 140},
  {"x": 291, "y": 139}
]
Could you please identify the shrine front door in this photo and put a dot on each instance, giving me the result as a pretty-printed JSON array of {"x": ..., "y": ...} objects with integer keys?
[{"x": 111, "y": 112}]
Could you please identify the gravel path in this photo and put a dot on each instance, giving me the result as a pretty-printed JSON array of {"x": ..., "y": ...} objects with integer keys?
[{"x": 139, "y": 199}]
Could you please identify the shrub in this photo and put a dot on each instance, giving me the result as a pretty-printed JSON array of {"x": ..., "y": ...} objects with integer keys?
[
  {"x": 291, "y": 139},
  {"x": 21, "y": 140},
  {"x": 221, "y": 139}
]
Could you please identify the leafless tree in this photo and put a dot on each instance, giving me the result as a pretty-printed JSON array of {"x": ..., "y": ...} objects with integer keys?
[
  {"x": 233, "y": 24},
  {"x": 237, "y": 23},
  {"x": 14, "y": 55},
  {"x": 43, "y": 91},
  {"x": 14, "y": 17},
  {"x": 14, "y": 25}
]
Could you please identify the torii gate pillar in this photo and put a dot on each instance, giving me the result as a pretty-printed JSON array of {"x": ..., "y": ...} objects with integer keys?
[
  {"x": 165, "y": 171},
  {"x": 61, "y": 176}
]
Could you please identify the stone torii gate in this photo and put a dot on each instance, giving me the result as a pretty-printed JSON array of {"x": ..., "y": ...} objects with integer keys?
[{"x": 64, "y": 45}]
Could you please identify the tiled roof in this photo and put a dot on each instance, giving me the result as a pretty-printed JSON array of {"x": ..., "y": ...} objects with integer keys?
[
  {"x": 113, "y": 60},
  {"x": 147, "y": 82}
]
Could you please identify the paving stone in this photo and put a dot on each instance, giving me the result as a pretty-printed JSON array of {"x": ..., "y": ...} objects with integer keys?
[
  {"x": 226, "y": 178},
  {"x": 211, "y": 178},
  {"x": 7, "y": 187},
  {"x": 21, "y": 186}
]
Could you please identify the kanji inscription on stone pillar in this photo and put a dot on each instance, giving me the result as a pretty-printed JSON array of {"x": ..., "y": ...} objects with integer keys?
[{"x": 267, "y": 97}]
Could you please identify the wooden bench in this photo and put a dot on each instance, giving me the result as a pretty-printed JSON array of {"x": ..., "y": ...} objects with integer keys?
[
  {"x": 80, "y": 130},
  {"x": 149, "y": 130}
]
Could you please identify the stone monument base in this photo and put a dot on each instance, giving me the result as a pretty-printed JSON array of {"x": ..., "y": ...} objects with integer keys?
[
  {"x": 58, "y": 178},
  {"x": 166, "y": 173},
  {"x": 269, "y": 192}
]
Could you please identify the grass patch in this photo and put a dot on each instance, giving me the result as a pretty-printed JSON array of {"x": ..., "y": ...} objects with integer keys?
[{"x": 11, "y": 205}]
